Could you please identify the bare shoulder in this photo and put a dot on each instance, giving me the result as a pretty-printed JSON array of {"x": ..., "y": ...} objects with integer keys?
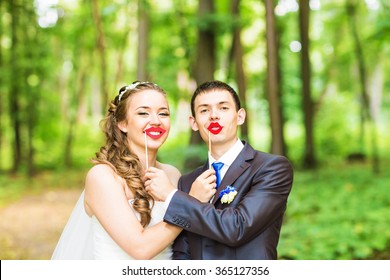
[
  {"x": 100, "y": 168},
  {"x": 102, "y": 185},
  {"x": 101, "y": 175},
  {"x": 100, "y": 171}
]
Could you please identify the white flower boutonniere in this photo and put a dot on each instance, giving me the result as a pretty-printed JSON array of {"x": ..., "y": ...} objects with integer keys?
[{"x": 228, "y": 194}]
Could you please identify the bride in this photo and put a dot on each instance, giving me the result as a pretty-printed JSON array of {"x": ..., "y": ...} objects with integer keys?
[{"x": 115, "y": 218}]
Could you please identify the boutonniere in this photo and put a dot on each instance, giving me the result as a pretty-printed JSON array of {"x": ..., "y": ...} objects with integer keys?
[{"x": 228, "y": 194}]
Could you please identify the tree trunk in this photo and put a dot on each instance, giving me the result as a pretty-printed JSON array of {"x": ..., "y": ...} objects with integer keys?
[
  {"x": 364, "y": 108},
  {"x": 101, "y": 47},
  {"x": 121, "y": 54},
  {"x": 309, "y": 160},
  {"x": 183, "y": 31},
  {"x": 31, "y": 113},
  {"x": 204, "y": 68},
  {"x": 366, "y": 113},
  {"x": 81, "y": 103},
  {"x": 237, "y": 54},
  {"x": 376, "y": 90},
  {"x": 69, "y": 142},
  {"x": 275, "y": 108},
  {"x": 14, "y": 93},
  {"x": 1, "y": 92},
  {"x": 143, "y": 42},
  {"x": 79, "y": 92},
  {"x": 205, "y": 49},
  {"x": 31, "y": 122}
]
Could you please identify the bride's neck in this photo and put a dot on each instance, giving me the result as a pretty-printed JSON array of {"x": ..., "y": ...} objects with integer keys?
[
  {"x": 149, "y": 160},
  {"x": 146, "y": 160}
]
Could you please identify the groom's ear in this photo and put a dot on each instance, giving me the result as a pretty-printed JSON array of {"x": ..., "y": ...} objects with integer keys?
[
  {"x": 193, "y": 123},
  {"x": 241, "y": 115}
]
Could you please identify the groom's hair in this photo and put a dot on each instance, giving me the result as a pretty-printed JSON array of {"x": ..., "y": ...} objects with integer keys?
[{"x": 213, "y": 85}]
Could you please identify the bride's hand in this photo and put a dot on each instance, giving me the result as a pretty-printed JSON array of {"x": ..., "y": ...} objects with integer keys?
[
  {"x": 157, "y": 184},
  {"x": 203, "y": 188}
]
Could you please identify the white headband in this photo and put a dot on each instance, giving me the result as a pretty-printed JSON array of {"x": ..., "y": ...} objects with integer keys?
[{"x": 129, "y": 87}]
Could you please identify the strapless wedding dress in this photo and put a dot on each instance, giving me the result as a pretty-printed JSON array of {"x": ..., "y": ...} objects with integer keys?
[
  {"x": 105, "y": 247},
  {"x": 85, "y": 238}
]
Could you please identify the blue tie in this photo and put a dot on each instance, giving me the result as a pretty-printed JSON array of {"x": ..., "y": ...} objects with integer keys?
[{"x": 217, "y": 167}]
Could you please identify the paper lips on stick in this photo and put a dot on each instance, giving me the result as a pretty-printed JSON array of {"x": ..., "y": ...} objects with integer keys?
[
  {"x": 154, "y": 133},
  {"x": 214, "y": 128}
]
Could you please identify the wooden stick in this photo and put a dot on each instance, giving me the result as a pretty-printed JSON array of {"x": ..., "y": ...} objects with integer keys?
[
  {"x": 209, "y": 149},
  {"x": 146, "y": 150}
]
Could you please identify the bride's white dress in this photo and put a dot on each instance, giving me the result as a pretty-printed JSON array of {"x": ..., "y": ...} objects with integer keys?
[{"x": 85, "y": 238}]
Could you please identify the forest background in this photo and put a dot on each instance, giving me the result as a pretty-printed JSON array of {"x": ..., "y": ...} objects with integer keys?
[{"x": 311, "y": 74}]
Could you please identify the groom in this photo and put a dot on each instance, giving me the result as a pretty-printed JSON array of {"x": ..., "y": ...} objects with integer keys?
[{"x": 244, "y": 218}]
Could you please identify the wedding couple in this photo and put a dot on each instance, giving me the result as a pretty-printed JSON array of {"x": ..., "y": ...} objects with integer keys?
[{"x": 134, "y": 207}]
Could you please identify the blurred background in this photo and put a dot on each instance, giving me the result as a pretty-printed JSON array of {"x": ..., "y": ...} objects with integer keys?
[{"x": 311, "y": 74}]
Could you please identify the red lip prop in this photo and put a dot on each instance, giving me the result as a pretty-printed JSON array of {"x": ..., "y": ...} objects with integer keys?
[
  {"x": 215, "y": 128},
  {"x": 155, "y": 132}
]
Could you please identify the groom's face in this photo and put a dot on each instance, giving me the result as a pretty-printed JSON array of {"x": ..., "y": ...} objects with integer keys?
[{"x": 216, "y": 115}]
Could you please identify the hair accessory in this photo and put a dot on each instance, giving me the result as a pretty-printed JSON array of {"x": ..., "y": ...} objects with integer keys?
[{"x": 129, "y": 87}]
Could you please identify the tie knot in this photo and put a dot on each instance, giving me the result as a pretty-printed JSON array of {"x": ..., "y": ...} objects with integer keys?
[{"x": 217, "y": 165}]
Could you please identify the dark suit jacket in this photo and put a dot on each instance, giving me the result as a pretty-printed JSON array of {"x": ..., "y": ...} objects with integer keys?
[{"x": 248, "y": 227}]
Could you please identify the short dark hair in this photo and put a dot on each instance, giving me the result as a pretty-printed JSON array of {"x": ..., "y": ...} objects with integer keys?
[{"x": 210, "y": 86}]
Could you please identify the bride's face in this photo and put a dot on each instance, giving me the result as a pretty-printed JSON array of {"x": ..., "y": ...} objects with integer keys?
[{"x": 148, "y": 116}]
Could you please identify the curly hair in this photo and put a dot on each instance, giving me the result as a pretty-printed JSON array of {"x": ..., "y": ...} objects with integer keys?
[{"x": 117, "y": 153}]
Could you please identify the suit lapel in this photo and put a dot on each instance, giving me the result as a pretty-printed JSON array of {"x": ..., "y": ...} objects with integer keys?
[{"x": 240, "y": 164}]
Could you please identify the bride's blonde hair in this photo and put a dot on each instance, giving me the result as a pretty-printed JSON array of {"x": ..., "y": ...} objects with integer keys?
[{"x": 117, "y": 153}]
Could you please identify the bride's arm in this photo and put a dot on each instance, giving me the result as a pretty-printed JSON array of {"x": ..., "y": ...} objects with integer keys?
[{"x": 105, "y": 198}]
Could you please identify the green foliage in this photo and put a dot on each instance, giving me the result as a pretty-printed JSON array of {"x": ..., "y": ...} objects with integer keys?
[
  {"x": 59, "y": 73},
  {"x": 334, "y": 129},
  {"x": 337, "y": 213},
  {"x": 88, "y": 140},
  {"x": 50, "y": 148}
]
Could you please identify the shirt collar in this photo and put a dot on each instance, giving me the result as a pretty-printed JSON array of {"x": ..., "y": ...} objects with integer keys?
[{"x": 228, "y": 157}]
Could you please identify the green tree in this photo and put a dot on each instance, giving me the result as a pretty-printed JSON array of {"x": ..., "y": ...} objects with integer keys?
[
  {"x": 273, "y": 81},
  {"x": 309, "y": 159}
]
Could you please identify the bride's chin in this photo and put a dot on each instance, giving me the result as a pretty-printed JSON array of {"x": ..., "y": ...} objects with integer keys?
[{"x": 154, "y": 148}]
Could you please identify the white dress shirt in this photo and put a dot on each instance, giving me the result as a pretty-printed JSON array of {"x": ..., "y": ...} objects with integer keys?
[
  {"x": 228, "y": 157},
  {"x": 227, "y": 160}
]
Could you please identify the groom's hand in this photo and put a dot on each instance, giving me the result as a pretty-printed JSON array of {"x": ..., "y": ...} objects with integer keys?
[
  {"x": 203, "y": 188},
  {"x": 157, "y": 183}
]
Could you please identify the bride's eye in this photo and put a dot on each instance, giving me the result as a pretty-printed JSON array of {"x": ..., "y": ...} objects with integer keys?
[{"x": 165, "y": 114}]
